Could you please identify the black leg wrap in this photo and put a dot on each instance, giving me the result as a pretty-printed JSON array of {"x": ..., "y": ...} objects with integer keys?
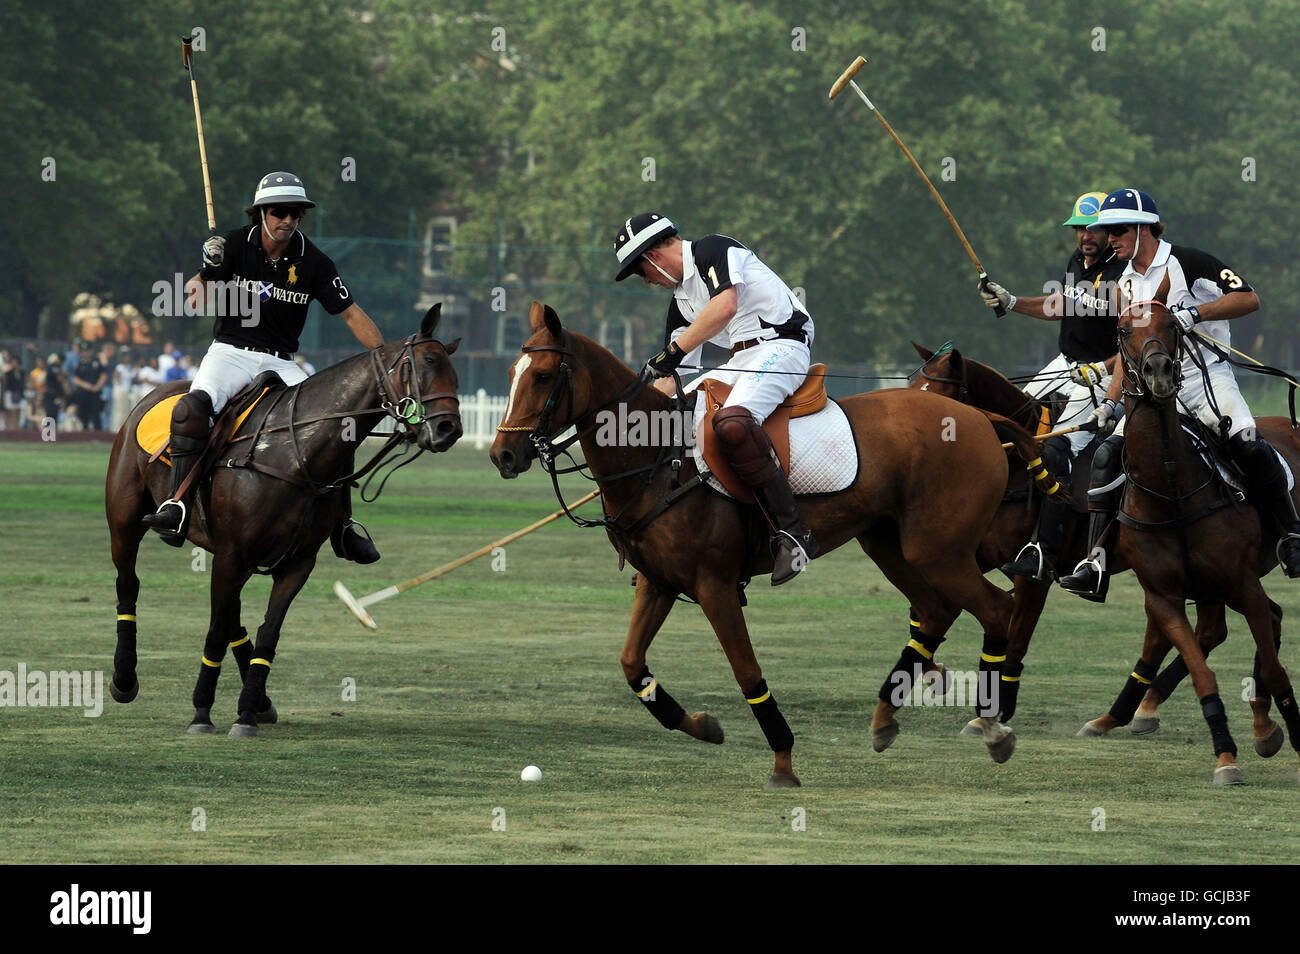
[
  {"x": 1168, "y": 681},
  {"x": 242, "y": 650},
  {"x": 1130, "y": 697},
  {"x": 205, "y": 689},
  {"x": 906, "y": 674},
  {"x": 657, "y": 700},
  {"x": 1217, "y": 719},
  {"x": 988, "y": 693},
  {"x": 763, "y": 704},
  {"x": 1010, "y": 689},
  {"x": 124, "y": 658},
  {"x": 1290, "y": 715}
]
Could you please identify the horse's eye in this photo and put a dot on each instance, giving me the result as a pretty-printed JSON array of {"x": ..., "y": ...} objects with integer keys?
[
  {"x": 542, "y": 378},
  {"x": 432, "y": 359}
]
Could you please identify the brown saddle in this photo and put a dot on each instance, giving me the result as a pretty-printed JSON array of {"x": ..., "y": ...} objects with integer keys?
[
  {"x": 809, "y": 398},
  {"x": 153, "y": 433}
]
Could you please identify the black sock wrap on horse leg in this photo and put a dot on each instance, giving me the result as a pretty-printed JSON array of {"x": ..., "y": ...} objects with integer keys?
[
  {"x": 1135, "y": 687},
  {"x": 242, "y": 650},
  {"x": 929, "y": 643},
  {"x": 1290, "y": 715},
  {"x": 763, "y": 705},
  {"x": 205, "y": 689},
  {"x": 124, "y": 658},
  {"x": 988, "y": 692},
  {"x": 1168, "y": 680},
  {"x": 1010, "y": 689},
  {"x": 906, "y": 674},
  {"x": 656, "y": 699},
  {"x": 1217, "y": 719}
]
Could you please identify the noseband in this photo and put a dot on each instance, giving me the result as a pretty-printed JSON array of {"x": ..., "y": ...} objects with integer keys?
[
  {"x": 1135, "y": 384},
  {"x": 406, "y": 408}
]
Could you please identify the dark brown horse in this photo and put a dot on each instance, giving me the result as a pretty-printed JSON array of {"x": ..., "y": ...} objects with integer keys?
[
  {"x": 279, "y": 506},
  {"x": 1186, "y": 539},
  {"x": 902, "y": 508}
]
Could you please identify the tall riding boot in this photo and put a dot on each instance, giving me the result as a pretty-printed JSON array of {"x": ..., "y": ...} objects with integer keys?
[
  {"x": 1268, "y": 485},
  {"x": 1091, "y": 577},
  {"x": 347, "y": 539},
  {"x": 173, "y": 517},
  {"x": 1037, "y": 558},
  {"x": 749, "y": 451}
]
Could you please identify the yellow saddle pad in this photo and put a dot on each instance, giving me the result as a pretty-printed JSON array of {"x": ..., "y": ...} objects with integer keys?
[{"x": 155, "y": 428}]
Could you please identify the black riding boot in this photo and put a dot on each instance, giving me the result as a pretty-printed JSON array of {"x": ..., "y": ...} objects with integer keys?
[
  {"x": 1037, "y": 558},
  {"x": 1091, "y": 578},
  {"x": 189, "y": 435},
  {"x": 1268, "y": 485},
  {"x": 347, "y": 539},
  {"x": 793, "y": 545}
]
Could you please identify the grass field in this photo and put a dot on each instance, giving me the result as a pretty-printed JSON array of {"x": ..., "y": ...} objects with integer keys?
[{"x": 473, "y": 676}]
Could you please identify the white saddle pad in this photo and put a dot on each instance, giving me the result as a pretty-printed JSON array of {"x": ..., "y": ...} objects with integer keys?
[{"x": 823, "y": 453}]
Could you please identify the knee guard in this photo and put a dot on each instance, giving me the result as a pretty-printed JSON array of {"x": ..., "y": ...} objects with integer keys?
[
  {"x": 746, "y": 446},
  {"x": 191, "y": 417},
  {"x": 1106, "y": 465},
  {"x": 1257, "y": 460}
]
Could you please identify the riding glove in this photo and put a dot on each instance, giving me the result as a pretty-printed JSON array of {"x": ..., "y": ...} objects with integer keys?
[
  {"x": 214, "y": 251},
  {"x": 665, "y": 362},
  {"x": 1186, "y": 318},
  {"x": 995, "y": 295}
]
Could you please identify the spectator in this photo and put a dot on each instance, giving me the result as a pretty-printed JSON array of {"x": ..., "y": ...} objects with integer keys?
[
  {"x": 11, "y": 390},
  {"x": 87, "y": 382},
  {"x": 176, "y": 371},
  {"x": 148, "y": 377},
  {"x": 167, "y": 358},
  {"x": 123, "y": 381},
  {"x": 35, "y": 392},
  {"x": 56, "y": 387},
  {"x": 108, "y": 358}
]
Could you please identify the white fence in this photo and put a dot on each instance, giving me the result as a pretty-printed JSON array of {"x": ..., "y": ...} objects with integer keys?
[{"x": 479, "y": 416}]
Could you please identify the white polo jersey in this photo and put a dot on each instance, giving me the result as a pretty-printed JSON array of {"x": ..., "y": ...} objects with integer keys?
[
  {"x": 1195, "y": 278},
  {"x": 765, "y": 306}
]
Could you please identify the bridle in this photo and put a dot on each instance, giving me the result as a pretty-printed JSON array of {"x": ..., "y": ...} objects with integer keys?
[{"x": 1134, "y": 383}]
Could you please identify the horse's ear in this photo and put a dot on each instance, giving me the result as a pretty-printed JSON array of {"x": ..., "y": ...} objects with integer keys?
[
  {"x": 925, "y": 353},
  {"x": 430, "y": 321},
  {"x": 451, "y": 348},
  {"x": 536, "y": 316},
  {"x": 954, "y": 362},
  {"x": 552, "y": 322}
]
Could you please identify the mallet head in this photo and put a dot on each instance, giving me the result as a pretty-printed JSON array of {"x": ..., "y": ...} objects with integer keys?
[
  {"x": 354, "y": 607},
  {"x": 847, "y": 75}
]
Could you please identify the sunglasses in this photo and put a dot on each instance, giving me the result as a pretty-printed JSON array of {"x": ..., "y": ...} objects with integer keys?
[
  {"x": 1114, "y": 229},
  {"x": 286, "y": 212}
]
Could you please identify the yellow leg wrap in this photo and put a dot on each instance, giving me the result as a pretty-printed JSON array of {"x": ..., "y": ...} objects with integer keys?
[
  {"x": 763, "y": 698},
  {"x": 240, "y": 642},
  {"x": 209, "y": 662},
  {"x": 126, "y": 616},
  {"x": 259, "y": 661},
  {"x": 915, "y": 644}
]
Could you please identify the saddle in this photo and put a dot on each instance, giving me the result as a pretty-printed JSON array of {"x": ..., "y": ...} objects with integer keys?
[
  {"x": 809, "y": 398},
  {"x": 153, "y": 433}
]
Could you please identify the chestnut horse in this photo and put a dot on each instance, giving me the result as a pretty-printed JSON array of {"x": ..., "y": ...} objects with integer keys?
[
  {"x": 903, "y": 508},
  {"x": 1186, "y": 539},
  {"x": 277, "y": 510}
]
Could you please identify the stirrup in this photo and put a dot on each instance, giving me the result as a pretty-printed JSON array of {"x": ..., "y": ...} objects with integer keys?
[
  {"x": 1281, "y": 560},
  {"x": 176, "y": 536},
  {"x": 1040, "y": 571},
  {"x": 1097, "y": 593},
  {"x": 364, "y": 553},
  {"x": 784, "y": 543}
]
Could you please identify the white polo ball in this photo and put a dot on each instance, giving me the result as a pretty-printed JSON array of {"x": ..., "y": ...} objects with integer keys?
[{"x": 531, "y": 773}]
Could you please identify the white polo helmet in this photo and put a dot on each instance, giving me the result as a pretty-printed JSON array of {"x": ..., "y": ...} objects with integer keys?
[{"x": 281, "y": 188}]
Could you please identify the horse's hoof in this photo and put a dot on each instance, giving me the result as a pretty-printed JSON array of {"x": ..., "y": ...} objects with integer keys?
[
  {"x": 241, "y": 731},
  {"x": 972, "y": 728},
  {"x": 268, "y": 716},
  {"x": 783, "y": 781},
  {"x": 1229, "y": 775},
  {"x": 201, "y": 728},
  {"x": 1144, "y": 725},
  {"x": 1271, "y": 744},
  {"x": 120, "y": 695},
  {"x": 1089, "y": 731},
  {"x": 710, "y": 728},
  {"x": 1002, "y": 749},
  {"x": 882, "y": 739}
]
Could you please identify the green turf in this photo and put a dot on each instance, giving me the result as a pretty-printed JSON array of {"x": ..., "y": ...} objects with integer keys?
[{"x": 476, "y": 675}]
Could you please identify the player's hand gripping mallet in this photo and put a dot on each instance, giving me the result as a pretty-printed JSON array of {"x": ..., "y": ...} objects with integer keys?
[
  {"x": 358, "y": 606},
  {"x": 846, "y": 79},
  {"x": 187, "y": 58}
]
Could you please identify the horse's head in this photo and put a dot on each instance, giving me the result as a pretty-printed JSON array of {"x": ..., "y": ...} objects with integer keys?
[
  {"x": 944, "y": 372},
  {"x": 548, "y": 392},
  {"x": 1148, "y": 347},
  {"x": 423, "y": 384}
]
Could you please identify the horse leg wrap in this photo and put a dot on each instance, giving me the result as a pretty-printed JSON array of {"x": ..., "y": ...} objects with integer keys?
[
  {"x": 657, "y": 700},
  {"x": 252, "y": 698},
  {"x": 988, "y": 692},
  {"x": 1290, "y": 715},
  {"x": 124, "y": 658},
  {"x": 1168, "y": 681},
  {"x": 1010, "y": 689},
  {"x": 1130, "y": 697},
  {"x": 770, "y": 720},
  {"x": 205, "y": 689},
  {"x": 906, "y": 674},
  {"x": 1217, "y": 719},
  {"x": 242, "y": 650}
]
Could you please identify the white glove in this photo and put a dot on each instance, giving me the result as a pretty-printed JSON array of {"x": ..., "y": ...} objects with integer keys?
[
  {"x": 214, "y": 251},
  {"x": 1186, "y": 317},
  {"x": 994, "y": 295},
  {"x": 1087, "y": 375},
  {"x": 1103, "y": 418}
]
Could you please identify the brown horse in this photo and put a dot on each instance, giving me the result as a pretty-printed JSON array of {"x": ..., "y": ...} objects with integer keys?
[
  {"x": 274, "y": 511},
  {"x": 1185, "y": 538},
  {"x": 902, "y": 508}
]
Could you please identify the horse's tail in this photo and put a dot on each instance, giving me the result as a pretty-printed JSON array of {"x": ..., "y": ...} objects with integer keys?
[{"x": 1030, "y": 450}]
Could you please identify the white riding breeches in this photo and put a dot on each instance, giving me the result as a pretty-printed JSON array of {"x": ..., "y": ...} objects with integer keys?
[
  {"x": 763, "y": 376},
  {"x": 1193, "y": 399},
  {"x": 226, "y": 370}
]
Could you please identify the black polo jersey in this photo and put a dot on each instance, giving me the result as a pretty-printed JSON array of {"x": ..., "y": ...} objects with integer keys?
[
  {"x": 1088, "y": 325},
  {"x": 282, "y": 289}
]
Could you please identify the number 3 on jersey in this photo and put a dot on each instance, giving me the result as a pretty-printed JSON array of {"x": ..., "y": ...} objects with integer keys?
[
  {"x": 343, "y": 289},
  {"x": 1231, "y": 277}
]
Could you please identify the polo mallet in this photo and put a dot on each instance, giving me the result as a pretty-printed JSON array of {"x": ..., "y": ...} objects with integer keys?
[
  {"x": 187, "y": 56},
  {"x": 357, "y": 607},
  {"x": 1065, "y": 430},
  {"x": 846, "y": 79}
]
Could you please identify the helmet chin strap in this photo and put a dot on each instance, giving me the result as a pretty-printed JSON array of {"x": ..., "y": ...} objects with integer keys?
[
  {"x": 661, "y": 271},
  {"x": 262, "y": 209}
]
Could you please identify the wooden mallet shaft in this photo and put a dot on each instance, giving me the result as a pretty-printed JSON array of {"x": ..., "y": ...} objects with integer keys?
[{"x": 187, "y": 56}]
